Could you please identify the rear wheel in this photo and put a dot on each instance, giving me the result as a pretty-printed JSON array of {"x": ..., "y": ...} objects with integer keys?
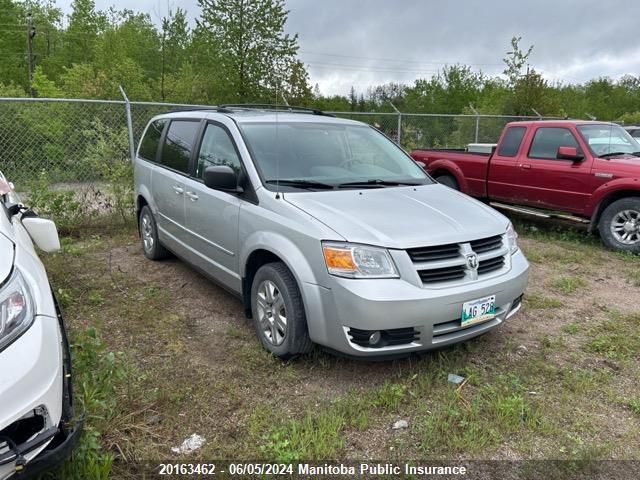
[
  {"x": 278, "y": 311},
  {"x": 448, "y": 181},
  {"x": 151, "y": 245},
  {"x": 619, "y": 225}
]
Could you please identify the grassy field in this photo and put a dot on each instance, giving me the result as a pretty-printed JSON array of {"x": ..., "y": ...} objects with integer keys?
[{"x": 161, "y": 353}]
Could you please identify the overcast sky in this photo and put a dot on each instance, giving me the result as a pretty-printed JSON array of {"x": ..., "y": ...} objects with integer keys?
[{"x": 370, "y": 42}]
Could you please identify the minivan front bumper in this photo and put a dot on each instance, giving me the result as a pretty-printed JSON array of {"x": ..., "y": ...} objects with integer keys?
[{"x": 394, "y": 307}]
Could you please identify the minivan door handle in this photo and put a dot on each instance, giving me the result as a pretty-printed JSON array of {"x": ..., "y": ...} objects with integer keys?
[
  {"x": 178, "y": 190},
  {"x": 192, "y": 196},
  {"x": 525, "y": 166}
]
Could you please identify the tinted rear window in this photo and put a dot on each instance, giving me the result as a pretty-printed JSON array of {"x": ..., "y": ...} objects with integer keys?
[
  {"x": 511, "y": 142},
  {"x": 178, "y": 144},
  {"x": 151, "y": 139}
]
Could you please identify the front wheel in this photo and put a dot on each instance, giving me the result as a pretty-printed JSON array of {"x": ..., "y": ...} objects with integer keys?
[
  {"x": 278, "y": 311},
  {"x": 619, "y": 225}
]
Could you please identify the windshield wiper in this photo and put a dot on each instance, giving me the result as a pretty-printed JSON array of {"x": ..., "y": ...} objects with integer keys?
[
  {"x": 375, "y": 182},
  {"x": 613, "y": 154},
  {"x": 292, "y": 182}
]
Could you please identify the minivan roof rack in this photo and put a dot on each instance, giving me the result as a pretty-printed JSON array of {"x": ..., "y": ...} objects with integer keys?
[
  {"x": 220, "y": 109},
  {"x": 268, "y": 106}
]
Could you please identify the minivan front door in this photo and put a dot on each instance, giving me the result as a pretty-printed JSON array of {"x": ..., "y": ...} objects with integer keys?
[{"x": 211, "y": 215}]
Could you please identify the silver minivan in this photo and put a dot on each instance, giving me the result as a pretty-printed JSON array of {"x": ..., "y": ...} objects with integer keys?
[{"x": 327, "y": 230}]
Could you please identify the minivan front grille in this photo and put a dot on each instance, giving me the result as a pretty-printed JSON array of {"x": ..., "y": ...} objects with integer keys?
[
  {"x": 432, "y": 254},
  {"x": 445, "y": 274},
  {"x": 446, "y": 263},
  {"x": 487, "y": 244},
  {"x": 490, "y": 265}
]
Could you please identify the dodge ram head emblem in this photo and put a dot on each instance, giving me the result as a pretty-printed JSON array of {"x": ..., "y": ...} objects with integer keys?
[{"x": 472, "y": 261}]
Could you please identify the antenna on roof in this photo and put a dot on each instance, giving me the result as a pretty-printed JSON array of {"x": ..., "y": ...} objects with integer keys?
[{"x": 277, "y": 145}]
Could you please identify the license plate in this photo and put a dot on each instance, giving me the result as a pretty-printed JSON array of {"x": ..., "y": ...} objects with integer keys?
[{"x": 479, "y": 310}]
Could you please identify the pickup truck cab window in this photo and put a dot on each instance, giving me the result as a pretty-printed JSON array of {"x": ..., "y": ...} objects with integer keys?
[
  {"x": 511, "y": 141},
  {"x": 547, "y": 140},
  {"x": 178, "y": 144}
]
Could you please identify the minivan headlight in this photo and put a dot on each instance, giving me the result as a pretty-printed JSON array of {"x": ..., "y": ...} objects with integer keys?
[
  {"x": 512, "y": 238},
  {"x": 358, "y": 261},
  {"x": 16, "y": 308}
]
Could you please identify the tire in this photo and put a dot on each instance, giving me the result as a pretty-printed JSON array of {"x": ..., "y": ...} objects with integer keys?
[
  {"x": 619, "y": 225},
  {"x": 151, "y": 245},
  {"x": 280, "y": 298},
  {"x": 448, "y": 181}
]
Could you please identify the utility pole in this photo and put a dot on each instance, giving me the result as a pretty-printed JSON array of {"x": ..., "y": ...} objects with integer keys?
[{"x": 31, "y": 32}]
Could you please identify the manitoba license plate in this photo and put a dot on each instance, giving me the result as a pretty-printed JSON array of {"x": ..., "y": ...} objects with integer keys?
[{"x": 479, "y": 310}]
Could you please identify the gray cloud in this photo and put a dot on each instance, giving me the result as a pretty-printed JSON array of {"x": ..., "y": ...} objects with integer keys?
[{"x": 369, "y": 42}]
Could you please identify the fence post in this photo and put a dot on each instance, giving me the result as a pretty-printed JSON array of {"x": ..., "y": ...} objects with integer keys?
[
  {"x": 127, "y": 107},
  {"x": 399, "y": 134},
  {"x": 477, "y": 114},
  {"x": 537, "y": 113}
]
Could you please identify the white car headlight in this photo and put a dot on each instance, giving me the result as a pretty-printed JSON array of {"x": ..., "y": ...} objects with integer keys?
[
  {"x": 512, "y": 238},
  {"x": 16, "y": 308},
  {"x": 358, "y": 261}
]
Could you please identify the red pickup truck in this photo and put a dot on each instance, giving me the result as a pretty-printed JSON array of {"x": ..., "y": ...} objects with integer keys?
[{"x": 583, "y": 171}]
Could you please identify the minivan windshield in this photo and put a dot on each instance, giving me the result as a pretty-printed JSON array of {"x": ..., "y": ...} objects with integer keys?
[
  {"x": 609, "y": 140},
  {"x": 322, "y": 156}
]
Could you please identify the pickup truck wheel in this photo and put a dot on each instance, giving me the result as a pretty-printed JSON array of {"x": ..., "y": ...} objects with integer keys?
[
  {"x": 448, "y": 181},
  {"x": 278, "y": 311},
  {"x": 619, "y": 225},
  {"x": 151, "y": 245}
]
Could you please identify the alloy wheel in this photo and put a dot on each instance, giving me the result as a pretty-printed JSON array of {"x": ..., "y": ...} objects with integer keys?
[
  {"x": 272, "y": 313},
  {"x": 146, "y": 230},
  {"x": 625, "y": 227}
]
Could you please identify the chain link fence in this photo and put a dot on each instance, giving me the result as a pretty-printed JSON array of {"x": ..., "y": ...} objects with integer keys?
[{"x": 83, "y": 146}]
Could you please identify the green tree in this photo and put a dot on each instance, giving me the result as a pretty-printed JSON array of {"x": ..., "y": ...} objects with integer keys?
[
  {"x": 13, "y": 65},
  {"x": 515, "y": 60},
  {"x": 531, "y": 92},
  {"x": 47, "y": 42},
  {"x": 247, "y": 45},
  {"x": 81, "y": 35},
  {"x": 175, "y": 38},
  {"x": 44, "y": 86},
  {"x": 297, "y": 88}
]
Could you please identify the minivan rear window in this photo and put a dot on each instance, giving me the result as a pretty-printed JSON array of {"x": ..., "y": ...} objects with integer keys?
[
  {"x": 178, "y": 144},
  {"x": 149, "y": 144}
]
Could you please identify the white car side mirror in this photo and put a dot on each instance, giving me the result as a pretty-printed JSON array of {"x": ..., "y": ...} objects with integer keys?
[{"x": 43, "y": 232}]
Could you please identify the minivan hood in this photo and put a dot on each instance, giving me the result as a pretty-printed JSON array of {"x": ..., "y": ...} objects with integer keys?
[
  {"x": 401, "y": 217},
  {"x": 6, "y": 257}
]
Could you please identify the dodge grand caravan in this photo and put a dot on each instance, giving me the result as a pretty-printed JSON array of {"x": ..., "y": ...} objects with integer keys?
[{"x": 326, "y": 229}]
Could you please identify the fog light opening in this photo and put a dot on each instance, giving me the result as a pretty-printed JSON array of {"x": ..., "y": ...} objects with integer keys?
[{"x": 375, "y": 338}]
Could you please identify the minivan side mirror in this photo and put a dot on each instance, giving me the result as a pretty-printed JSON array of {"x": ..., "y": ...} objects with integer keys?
[
  {"x": 43, "y": 232},
  {"x": 222, "y": 178},
  {"x": 569, "y": 153}
]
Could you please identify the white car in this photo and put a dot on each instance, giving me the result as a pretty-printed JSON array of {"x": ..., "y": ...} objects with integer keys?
[{"x": 36, "y": 408}]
